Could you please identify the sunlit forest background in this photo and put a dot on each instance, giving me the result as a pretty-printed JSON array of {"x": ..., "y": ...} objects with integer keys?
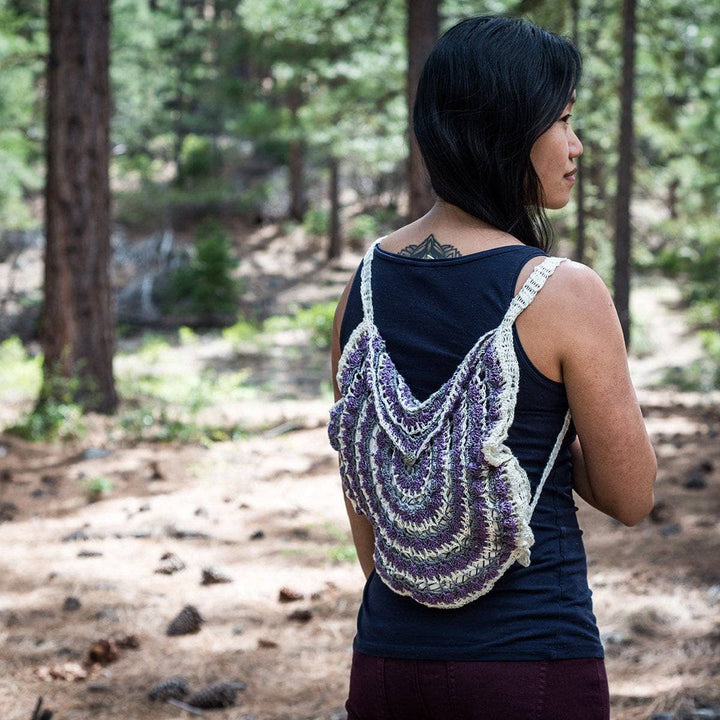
[{"x": 177, "y": 221}]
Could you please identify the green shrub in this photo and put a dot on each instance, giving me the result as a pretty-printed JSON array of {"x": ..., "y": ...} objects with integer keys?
[
  {"x": 50, "y": 421},
  {"x": 156, "y": 204},
  {"x": 19, "y": 372},
  {"x": 692, "y": 252},
  {"x": 206, "y": 286},
  {"x": 198, "y": 157},
  {"x": 153, "y": 347},
  {"x": 317, "y": 221},
  {"x": 166, "y": 425},
  {"x": 363, "y": 228},
  {"x": 56, "y": 416},
  {"x": 279, "y": 323},
  {"x": 96, "y": 488},
  {"x": 241, "y": 332},
  {"x": 187, "y": 336},
  {"x": 318, "y": 319}
]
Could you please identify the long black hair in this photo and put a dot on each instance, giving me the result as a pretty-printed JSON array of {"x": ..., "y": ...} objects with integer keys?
[{"x": 490, "y": 87}]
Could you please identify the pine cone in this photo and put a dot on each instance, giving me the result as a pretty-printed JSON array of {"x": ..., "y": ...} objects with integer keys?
[
  {"x": 170, "y": 563},
  {"x": 102, "y": 652},
  {"x": 287, "y": 595},
  {"x": 175, "y": 688},
  {"x": 212, "y": 576},
  {"x": 186, "y": 623},
  {"x": 217, "y": 695}
]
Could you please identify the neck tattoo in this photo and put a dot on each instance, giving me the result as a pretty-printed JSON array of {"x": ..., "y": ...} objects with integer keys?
[{"x": 430, "y": 249}]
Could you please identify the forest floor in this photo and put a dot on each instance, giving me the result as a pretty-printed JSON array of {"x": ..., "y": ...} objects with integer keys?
[{"x": 265, "y": 510}]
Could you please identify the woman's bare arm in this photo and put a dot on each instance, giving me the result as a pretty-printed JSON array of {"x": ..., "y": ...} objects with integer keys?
[
  {"x": 362, "y": 532},
  {"x": 581, "y": 484},
  {"x": 616, "y": 465},
  {"x": 572, "y": 333}
]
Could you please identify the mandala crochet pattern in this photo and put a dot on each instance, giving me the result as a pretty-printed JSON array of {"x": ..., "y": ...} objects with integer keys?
[{"x": 448, "y": 501}]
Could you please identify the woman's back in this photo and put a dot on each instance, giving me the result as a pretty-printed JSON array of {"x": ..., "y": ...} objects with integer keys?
[{"x": 430, "y": 313}]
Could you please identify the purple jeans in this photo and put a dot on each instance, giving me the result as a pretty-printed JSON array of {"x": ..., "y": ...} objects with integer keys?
[{"x": 392, "y": 689}]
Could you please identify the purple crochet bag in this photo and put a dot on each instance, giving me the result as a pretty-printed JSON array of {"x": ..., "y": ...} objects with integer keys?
[{"x": 449, "y": 503}]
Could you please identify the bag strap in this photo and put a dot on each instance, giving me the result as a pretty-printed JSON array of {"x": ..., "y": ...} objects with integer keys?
[
  {"x": 366, "y": 282},
  {"x": 550, "y": 464},
  {"x": 531, "y": 288}
]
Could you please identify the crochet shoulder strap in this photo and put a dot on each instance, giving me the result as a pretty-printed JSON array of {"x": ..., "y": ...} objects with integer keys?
[
  {"x": 448, "y": 501},
  {"x": 366, "y": 282}
]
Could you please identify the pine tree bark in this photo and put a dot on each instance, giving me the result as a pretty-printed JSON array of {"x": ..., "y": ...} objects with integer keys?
[
  {"x": 77, "y": 330},
  {"x": 423, "y": 23},
  {"x": 335, "y": 241},
  {"x": 626, "y": 147},
  {"x": 296, "y": 160},
  {"x": 180, "y": 100}
]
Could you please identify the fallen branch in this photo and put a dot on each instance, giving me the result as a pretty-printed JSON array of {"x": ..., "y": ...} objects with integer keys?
[
  {"x": 284, "y": 428},
  {"x": 184, "y": 706}
]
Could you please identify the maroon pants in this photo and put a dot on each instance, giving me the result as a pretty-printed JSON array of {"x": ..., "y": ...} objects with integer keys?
[{"x": 391, "y": 689}]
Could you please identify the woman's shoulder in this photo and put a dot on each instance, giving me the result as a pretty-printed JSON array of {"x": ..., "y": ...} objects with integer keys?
[
  {"x": 572, "y": 314},
  {"x": 574, "y": 288}
]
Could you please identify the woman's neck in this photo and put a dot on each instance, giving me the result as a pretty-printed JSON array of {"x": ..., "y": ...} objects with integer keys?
[{"x": 451, "y": 227}]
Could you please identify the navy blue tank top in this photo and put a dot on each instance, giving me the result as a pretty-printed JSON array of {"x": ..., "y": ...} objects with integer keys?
[{"x": 430, "y": 313}]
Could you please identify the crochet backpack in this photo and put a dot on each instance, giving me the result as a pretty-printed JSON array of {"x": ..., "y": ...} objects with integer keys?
[{"x": 449, "y": 503}]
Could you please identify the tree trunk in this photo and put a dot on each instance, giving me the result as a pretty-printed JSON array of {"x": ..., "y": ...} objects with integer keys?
[
  {"x": 335, "y": 230},
  {"x": 77, "y": 331},
  {"x": 423, "y": 23},
  {"x": 180, "y": 101},
  {"x": 673, "y": 198},
  {"x": 580, "y": 251},
  {"x": 296, "y": 160},
  {"x": 622, "y": 271}
]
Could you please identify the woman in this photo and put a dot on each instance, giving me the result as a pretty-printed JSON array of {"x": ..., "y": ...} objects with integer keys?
[{"x": 492, "y": 118}]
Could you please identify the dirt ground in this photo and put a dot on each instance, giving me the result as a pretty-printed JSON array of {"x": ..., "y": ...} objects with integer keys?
[{"x": 267, "y": 513}]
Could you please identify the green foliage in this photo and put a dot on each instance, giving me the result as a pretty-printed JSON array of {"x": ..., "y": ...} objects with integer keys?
[
  {"x": 206, "y": 286},
  {"x": 337, "y": 70},
  {"x": 340, "y": 554},
  {"x": 241, "y": 332},
  {"x": 55, "y": 416},
  {"x": 50, "y": 421},
  {"x": 198, "y": 157},
  {"x": 155, "y": 204},
  {"x": 165, "y": 424},
  {"x": 97, "y": 488},
  {"x": 318, "y": 319},
  {"x": 317, "y": 221},
  {"x": 162, "y": 399},
  {"x": 363, "y": 228},
  {"x": 691, "y": 253},
  {"x": 22, "y": 45},
  {"x": 187, "y": 336},
  {"x": 20, "y": 373},
  {"x": 342, "y": 549},
  {"x": 153, "y": 347}
]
